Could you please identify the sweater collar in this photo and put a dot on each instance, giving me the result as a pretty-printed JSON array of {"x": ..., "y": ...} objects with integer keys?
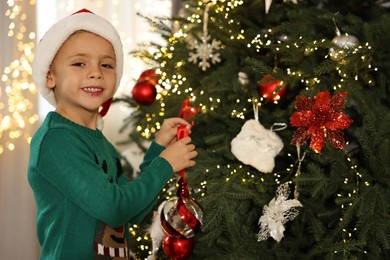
[{"x": 59, "y": 118}]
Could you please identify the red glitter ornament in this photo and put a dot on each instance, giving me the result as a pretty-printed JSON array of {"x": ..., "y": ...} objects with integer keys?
[
  {"x": 144, "y": 92},
  {"x": 321, "y": 120},
  {"x": 272, "y": 89},
  {"x": 177, "y": 248}
]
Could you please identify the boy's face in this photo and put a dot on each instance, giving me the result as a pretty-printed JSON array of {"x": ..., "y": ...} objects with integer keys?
[{"x": 83, "y": 74}]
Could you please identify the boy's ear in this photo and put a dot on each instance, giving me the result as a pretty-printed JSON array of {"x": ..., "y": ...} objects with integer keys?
[{"x": 50, "y": 82}]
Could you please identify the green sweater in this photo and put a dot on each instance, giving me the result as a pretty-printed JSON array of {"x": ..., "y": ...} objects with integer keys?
[{"x": 83, "y": 200}]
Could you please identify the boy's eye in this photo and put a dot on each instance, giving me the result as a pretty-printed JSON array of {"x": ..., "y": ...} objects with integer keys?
[
  {"x": 78, "y": 64},
  {"x": 108, "y": 66}
]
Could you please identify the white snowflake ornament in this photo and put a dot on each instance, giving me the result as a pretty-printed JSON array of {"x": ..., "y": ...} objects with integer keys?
[
  {"x": 278, "y": 212},
  {"x": 204, "y": 50}
]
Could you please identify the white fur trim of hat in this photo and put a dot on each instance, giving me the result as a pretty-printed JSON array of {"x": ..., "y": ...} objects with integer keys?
[{"x": 53, "y": 39}]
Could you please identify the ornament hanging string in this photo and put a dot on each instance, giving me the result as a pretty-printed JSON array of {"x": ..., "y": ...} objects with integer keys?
[
  {"x": 337, "y": 29},
  {"x": 275, "y": 127},
  {"x": 255, "y": 109},
  {"x": 278, "y": 127},
  {"x": 182, "y": 132},
  {"x": 300, "y": 159},
  {"x": 206, "y": 18},
  {"x": 207, "y": 49}
]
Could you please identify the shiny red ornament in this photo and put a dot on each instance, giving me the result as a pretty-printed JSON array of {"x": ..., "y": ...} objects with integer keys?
[
  {"x": 187, "y": 110},
  {"x": 320, "y": 120},
  {"x": 181, "y": 216},
  {"x": 144, "y": 93},
  {"x": 149, "y": 75},
  {"x": 272, "y": 89},
  {"x": 177, "y": 248}
]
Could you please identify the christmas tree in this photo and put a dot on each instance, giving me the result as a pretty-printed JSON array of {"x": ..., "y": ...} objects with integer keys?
[{"x": 290, "y": 104}]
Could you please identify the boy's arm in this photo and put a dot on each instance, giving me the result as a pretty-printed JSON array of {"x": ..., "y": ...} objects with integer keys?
[
  {"x": 153, "y": 151},
  {"x": 83, "y": 182}
]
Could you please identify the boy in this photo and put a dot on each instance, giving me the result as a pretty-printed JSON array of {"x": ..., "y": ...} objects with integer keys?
[{"x": 84, "y": 201}]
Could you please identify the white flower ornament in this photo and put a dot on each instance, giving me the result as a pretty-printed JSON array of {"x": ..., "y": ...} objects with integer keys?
[{"x": 277, "y": 213}]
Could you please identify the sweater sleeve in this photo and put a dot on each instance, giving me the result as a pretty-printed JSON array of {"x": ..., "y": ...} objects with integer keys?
[
  {"x": 153, "y": 151},
  {"x": 73, "y": 171}
]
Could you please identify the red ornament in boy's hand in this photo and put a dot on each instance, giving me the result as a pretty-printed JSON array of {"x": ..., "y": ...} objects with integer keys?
[
  {"x": 272, "y": 89},
  {"x": 144, "y": 92}
]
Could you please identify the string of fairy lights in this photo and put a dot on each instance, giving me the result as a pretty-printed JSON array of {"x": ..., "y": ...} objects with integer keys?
[
  {"x": 15, "y": 114},
  {"x": 17, "y": 86},
  {"x": 176, "y": 84}
]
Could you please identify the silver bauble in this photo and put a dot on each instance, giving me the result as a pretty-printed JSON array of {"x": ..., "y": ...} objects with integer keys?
[{"x": 344, "y": 43}]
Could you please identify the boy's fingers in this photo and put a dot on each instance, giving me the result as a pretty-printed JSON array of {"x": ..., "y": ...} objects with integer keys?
[
  {"x": 176, "y": 121},
  {"x": 186, "y": 140}
]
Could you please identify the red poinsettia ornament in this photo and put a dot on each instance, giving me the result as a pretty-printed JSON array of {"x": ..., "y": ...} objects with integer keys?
[{"x": 320, "y": 120}]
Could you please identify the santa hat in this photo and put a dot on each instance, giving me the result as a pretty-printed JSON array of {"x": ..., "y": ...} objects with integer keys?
[{"x": 53, "y": 39}]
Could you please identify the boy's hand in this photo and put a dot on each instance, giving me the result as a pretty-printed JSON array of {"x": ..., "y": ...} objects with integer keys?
[
  {"x": 180, "y": 154},
  {"x": 167, "y": 133}
]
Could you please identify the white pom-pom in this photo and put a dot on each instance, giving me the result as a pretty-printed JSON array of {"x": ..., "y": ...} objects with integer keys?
[
  {"x": 99, "y": 123},
  {"x": 156, "y": 231}
]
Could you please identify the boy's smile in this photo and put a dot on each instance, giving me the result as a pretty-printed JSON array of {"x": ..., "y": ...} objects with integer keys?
[
  {"x": 83, "y": 77},
  {"x": 93, "y": 90}
]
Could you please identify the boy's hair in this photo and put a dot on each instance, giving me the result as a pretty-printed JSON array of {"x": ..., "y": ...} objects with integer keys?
[{"x": 51, "y": 42}]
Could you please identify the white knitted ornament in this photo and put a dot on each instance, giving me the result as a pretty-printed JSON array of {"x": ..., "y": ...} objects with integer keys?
[{"x": 257, "y": 146}]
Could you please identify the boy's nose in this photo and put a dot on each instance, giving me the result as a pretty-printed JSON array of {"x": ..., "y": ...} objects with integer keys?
[{"x": 95, "y": 73}]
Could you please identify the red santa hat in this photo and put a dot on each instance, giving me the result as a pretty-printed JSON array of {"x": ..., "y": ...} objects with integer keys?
[{"x": 53, "y": 39}]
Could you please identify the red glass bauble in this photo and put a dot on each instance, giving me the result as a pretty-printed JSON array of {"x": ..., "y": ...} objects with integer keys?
[
  {"x": 272, "y": 89},
  {"x": 144, "y": 92},
  {"x": 149, "y": 75},
  {"x": 177, "y": 247},
  {"x": 187, "y": 110}
]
